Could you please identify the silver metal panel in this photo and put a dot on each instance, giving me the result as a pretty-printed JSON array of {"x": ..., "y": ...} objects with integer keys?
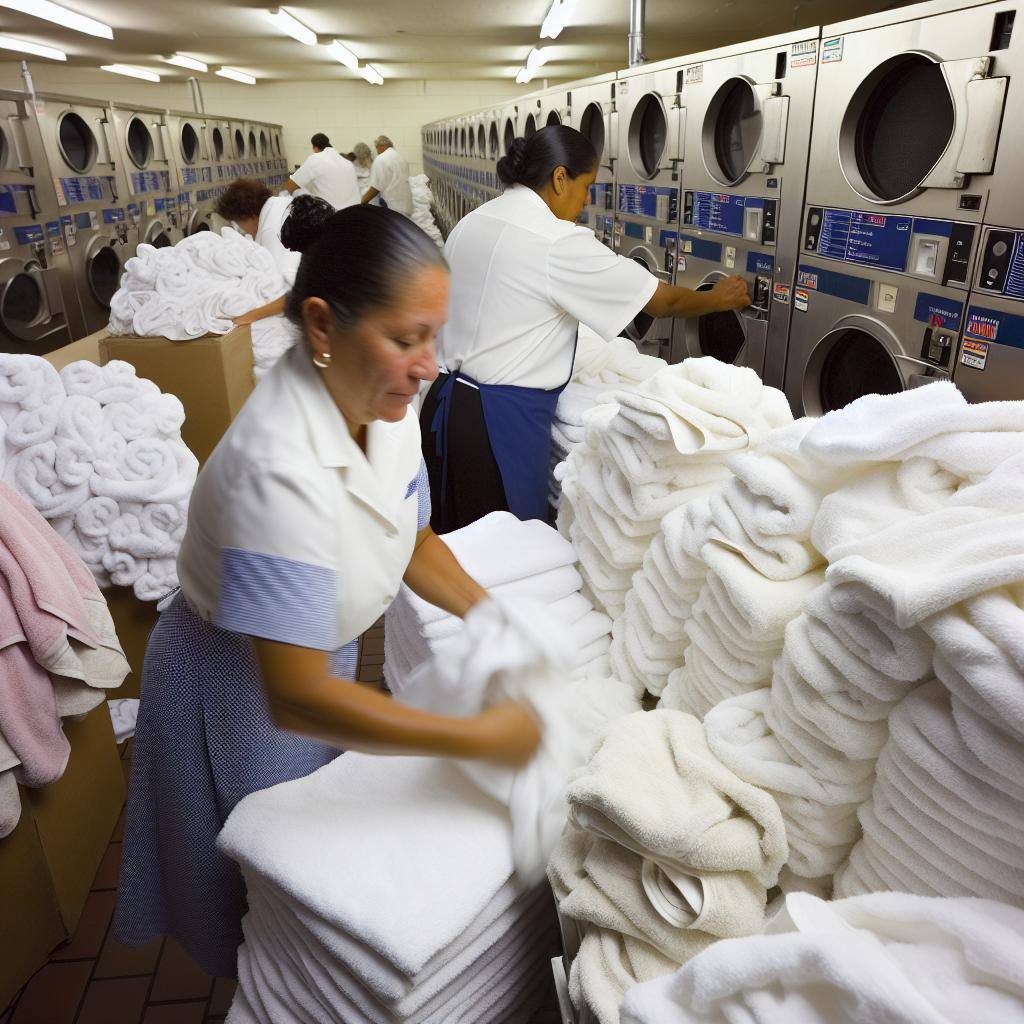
[{"x": 592, "y": 111}]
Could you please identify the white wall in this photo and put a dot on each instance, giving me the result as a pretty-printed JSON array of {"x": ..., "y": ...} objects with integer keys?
[{"x": 348, "y": 110}]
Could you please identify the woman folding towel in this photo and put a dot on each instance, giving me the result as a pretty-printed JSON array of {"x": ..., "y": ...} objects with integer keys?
[{"x": 304, "y": 522}]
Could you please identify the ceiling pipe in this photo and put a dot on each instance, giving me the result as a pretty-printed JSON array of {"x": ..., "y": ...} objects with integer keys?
[
  {"x": 26, "y": 76},
  {"x": 197, "y": 94},
  {"x": 637, "y": 22}
]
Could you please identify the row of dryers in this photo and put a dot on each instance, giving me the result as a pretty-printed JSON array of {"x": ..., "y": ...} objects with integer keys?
[
  {"x": 864, "y": 177},
  {"x": 83, "y": 183}
]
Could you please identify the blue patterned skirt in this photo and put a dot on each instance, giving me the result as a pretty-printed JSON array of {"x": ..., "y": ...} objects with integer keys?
[{"x": 204, "y": 740}]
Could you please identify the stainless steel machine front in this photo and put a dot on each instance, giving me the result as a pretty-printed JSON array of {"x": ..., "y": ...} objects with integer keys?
[{"x": 591, "y": 111}]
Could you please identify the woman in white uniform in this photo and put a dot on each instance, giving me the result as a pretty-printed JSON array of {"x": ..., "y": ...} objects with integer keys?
[
  {"x": 306, "y": 519},
  {"x": 524, "y": 276}
]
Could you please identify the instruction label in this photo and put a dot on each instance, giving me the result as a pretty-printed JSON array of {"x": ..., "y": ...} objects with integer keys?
[
  {"x": 805, "y": 54},
  {"x": 832, "y": 50},
  {"x": 780, "y": 293},
  {"x": 694, "y": 74},
  {"x": 807, "y": 279},
  {"x": 974, "y": 354},
  {"x": 801, "y": 297}
]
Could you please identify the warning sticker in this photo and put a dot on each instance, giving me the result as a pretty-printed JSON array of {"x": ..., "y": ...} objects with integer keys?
[
  {"x": 780, "y": 293},
  {"x": 800, "y": 299},
  {"x": 974, "y": 354},
  {"x": 802, "y": 55},
  {"x": 694, "y": 74},
  {"x": 807, "y": 279},
  {"x": 832, "y": 50}
]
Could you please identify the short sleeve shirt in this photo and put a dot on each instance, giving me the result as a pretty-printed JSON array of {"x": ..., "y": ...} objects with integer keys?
[
  {"x": 389, "y": 175},
  {"x": 330, "y": 176}
]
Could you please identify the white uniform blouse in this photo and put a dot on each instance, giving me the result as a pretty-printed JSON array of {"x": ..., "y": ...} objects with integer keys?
[
  {"x": 522, "y": 282},
  {"x": 389, "y": 175},
  {"x": 268, "y": 234},
  {"x": 293, "y": 533}
]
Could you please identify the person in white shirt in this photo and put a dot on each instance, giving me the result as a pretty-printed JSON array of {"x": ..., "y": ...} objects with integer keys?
[
  {"x": 326, "y": 174},
  {"x": 309, "y": 515},
  {"x": 389, "y": 178},
  {"x": 362, "y": 160},
  {"x": 524, "y": 276}
]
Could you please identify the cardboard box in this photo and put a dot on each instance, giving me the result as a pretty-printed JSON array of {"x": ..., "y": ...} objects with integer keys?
[{"x": 47, "y": 865}]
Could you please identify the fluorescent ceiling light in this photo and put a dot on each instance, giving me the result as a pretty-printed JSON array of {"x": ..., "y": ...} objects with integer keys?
[
  {"x": 21, "y": 46},
  {"x": 236, "y": 76},
  {"x": 536, "y": 58},
  {"x": 181, "y": 61},
  {"x": 523, "y": 76},
  {"x": 292, "y": 26},
  {"x": 60, "y": 15},
  {"x": 371, "y": 74},
  {"x": 341, "y": 53},
  {"x": 125, "y": 69},
  {"x": 557, "y": 19}
]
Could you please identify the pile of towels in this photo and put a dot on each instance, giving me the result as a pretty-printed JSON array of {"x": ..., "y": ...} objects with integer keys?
[
  {"x": 58, "y": 654},
  {"x": 510, "y": 558},
  {"x": 197, "y": 287},
  {"x": 666, "y": 851},
  {"x": 422, "y": 203},
  {"x": 884, "y": 957},
  {"x": 98, "y": 451}
]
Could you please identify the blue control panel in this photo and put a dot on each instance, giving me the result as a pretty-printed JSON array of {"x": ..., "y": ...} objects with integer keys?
[
  {"x": 721, "y": 213},
  {"x": 870, "y": 239},
  {"x": 82, "y": 190},
  {"x": 649, "y": 201}
]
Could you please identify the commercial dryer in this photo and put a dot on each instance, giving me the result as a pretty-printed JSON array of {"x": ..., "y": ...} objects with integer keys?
[
  {"x": 77, "y": 137},
  {"x": 35, "y": 273},
  {"x": 591, "y": 111},
  {"x": 745, "y": 133},
  {"x": 554, "y": 107},
  {"x": 191, "y": 146},
  {"x": 647, "y": 184}
]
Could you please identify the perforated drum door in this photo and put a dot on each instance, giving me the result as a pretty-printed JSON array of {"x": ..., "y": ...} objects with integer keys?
[
  {"x": 732, "y": 131},
  {"x": 648, "y": 136},
  {"x": 157, "y": 235},
  {"x": 719, "y": 335},
  {"x": 853, "y": 359},
  {"x": 492, "y": 141},
  {"x": 31, "y": 315},
  {"x": 102, "y": 270},
  {"x": 552, "y": 119},
  {"x": 510, "y": 133},
  {"x": 219, "y": 144},
  {"x": 189, "y": 143},
  {"x": 592, "y": 127},
  {"x": 198, "y": 220},
  {"x": 138, "y": 142},
  {"x": 530, "y": 126},
  {"x": 76, "y": 142}
]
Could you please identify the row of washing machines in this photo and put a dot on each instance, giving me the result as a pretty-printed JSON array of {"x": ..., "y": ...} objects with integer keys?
[
  {"x": 866, "y": 179},
  {"x": 83, "y": 183}
]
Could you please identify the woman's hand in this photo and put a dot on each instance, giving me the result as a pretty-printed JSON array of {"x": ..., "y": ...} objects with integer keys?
[
  {"x": 730, "y": 293},
  {"x": 508, "y": 734},
  {"x": 251, "y": 317}
]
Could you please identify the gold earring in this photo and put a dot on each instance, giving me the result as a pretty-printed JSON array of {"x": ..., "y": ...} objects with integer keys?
[{"x": 322, "y": 361}]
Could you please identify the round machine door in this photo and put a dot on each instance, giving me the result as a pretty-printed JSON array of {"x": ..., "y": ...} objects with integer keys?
[
  {"x": 463, "y": 143},
  {"x": 25, "y": 311},
  {"x": 76, "y": 141},
  {"x": 264, "y": 148},
  {"x": 188, "y": 141},
  {"x": 138, "y": 142},
  {"x": 492, "y": 140},
  {"x": 510, "y": 133},
  {"x": 530, "y": 127},
  {"x": 896, "y": 128},
  {"x": 552, "y": 119},
  {"x": 102, "y": 270},
  {"x": 720, "y": 335},
  {"x": 640, "y": 326},
  {"x": 855, "y": 358},
  {"x": 481, "y": 141},
  {"x": 472, "y": 142},
  {"x": 732, "y": 131},
  {"x": 592, "y": 127},
  {"x": 239, "y": 139},
  {"x": 218, "y": 144},
  {"x": 252, "y": 144},
  {"x": 648, "y": 135},
  {"x": 5, "y": 149},
  {"x": 157, "y": 235},
  {"x": 198, "y": 220}
]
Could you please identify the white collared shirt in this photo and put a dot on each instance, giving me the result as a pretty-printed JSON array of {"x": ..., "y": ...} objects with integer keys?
[
  {"x": 330, "y": 176},
  {"x": 389, "y": 175},
  {"x": 268, "y": 234},
  {"x": 293, "y": 533},
  {"x": 522, "y": 282}
]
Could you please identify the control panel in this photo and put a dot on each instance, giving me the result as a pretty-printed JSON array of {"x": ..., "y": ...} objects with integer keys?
[
  {"x": 1002, "y": 264},
  {"x": 650, "y": 201},
  {"x": 749, "y": 217},
  {"x": 936, "y": 250}
]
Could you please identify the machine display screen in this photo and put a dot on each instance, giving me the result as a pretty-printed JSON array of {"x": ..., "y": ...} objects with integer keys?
[
  {"x": 1002, "y": 264},
  {"x": 649, "y": 201},
  {"x": 870, "y": 239},
  {"x": 722, "y": 213},
  {"x": 82, "y": 190}
]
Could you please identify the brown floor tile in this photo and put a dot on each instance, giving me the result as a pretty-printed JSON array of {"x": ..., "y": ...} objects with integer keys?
[
  {"x": 178, "y": 977},
  {"x": 120, "y": 961},
  {"x": 53, "y": 995},
  {"x": 223, "y": 993},
  {"x": 119, "y": 827},
  {"x": 92, "y": 928},
  {"x": 109, "y": 869},
  {"x": 114, "y": 1001},
  {"x": 175, "y": 1013}
]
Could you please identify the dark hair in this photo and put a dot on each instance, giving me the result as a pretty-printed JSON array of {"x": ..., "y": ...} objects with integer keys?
[
  {"x": 532, "y": 161},
  {"x": 320, "y": 141},
  {"x": 354, "y": 258},
  {"x": 242, "y": 199}
]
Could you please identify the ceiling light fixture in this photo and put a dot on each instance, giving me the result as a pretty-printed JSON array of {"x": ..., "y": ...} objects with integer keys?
[
  {"x": 236, "y": 76},
  {"x": 126, "y": 69},
  {"x": 536, "y": 58},
  {"x": 60, "y": 16},
  {"x": 181, "y": 61},
  {"x": 371, "y": 74},
  {"x": 291, "y": 26},
  {"x": 557, "y": 18},
  {"x": 343, "y": 55},
  {"x": 21, "y": 46}
]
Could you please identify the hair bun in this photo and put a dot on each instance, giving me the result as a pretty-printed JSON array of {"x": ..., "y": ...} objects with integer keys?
[
  {"x": 305, "y": 222},
  {"x": 511, "y": 165}
]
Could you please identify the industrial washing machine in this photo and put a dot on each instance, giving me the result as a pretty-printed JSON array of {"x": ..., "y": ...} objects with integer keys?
[
  {"x": 148, "y": 175},
  {"x": 191, "y": 146},
  {"x": 591, "y": 111},
  {"x": 554, "y": 107},
  {"x": 34, "y": 270},
  {"x": 510, "y": 126},
  {"x": 745, "y": 133},
  {"x": 647, "y": 184},
  {"x": 83, "y": 180}
]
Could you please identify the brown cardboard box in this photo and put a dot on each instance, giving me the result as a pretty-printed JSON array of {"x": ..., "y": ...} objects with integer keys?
[{"x": 48, "y": 863}]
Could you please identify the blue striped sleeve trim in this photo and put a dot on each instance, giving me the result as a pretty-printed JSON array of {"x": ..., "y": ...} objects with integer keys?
[
  {"x": 344, "y": 662},
  {"x": 421, "y": 485},
  {"x": 278, "y": 598}
]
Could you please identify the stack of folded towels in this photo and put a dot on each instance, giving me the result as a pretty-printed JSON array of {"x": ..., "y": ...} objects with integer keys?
[
  {"x": 422, "y": 203},
  {"x": 98, "y": 451},
  {"x": 666, "y": 851},
  {"x": 510, "y": 558},
  {"x": 198, "y": 287},
  {"x": 58, "y": 655},
  {"x": 883, "y": 957}
]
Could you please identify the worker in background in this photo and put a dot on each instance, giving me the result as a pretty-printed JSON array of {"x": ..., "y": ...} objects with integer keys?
[
  {"x": 306, "y": 519},
  {"x": 326, "y": 174},
  {"x": 524, "y": 276},
  {"x": 362, "y": 157},
  {"x": 389, "y": 178},
  {"x": 255, "y": 211}
]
